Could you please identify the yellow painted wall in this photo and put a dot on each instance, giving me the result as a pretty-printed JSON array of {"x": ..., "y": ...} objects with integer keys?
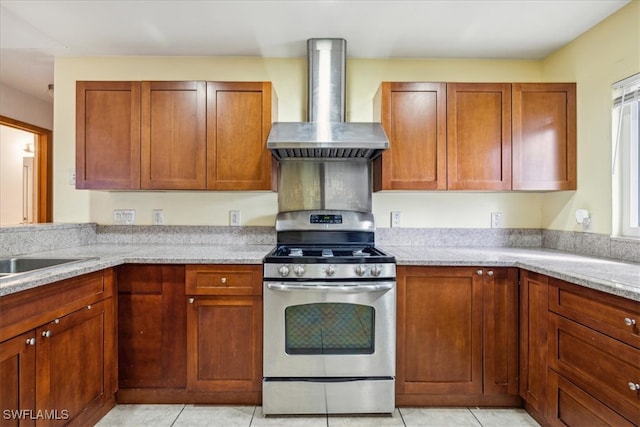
[
  {"x": 419, "y": 209},
  {"x": 601, "y": 56}
]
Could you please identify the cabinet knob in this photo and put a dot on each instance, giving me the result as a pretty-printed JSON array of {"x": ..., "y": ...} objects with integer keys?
[
  {"x": 223, "y": 279},
  {"x": 490, "y": 273},
  {"x": 46, "y": 334},
  {"x": 479, "y": 272},
  {"x": 191, "y": 300},
  {"x": 629, "y": 321},
  {"x": 31, "y": 341},
  {"x": 634, "y": 386}
]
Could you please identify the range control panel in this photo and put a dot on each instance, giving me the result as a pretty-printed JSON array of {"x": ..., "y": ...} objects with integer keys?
[{"x": 325, "y": 219}]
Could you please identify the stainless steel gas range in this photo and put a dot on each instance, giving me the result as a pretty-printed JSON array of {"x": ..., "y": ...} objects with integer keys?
[{"x": 329, "y": 317}]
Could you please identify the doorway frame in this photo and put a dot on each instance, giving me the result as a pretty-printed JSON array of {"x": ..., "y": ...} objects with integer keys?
[{"x": 44, "y": 164}]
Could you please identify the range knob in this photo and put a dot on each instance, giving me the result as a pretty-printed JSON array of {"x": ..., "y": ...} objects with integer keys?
[
  {"x": 298, "y": 270},
  {"x": 330, "y": 270},
  {"x": 376, "y": 270},
  {"x": 361, "y": 270},
  {"x": 284, "y": 271}
]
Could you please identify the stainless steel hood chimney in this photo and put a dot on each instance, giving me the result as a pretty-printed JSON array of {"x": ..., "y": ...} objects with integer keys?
[{"x": 326, "y": 135}]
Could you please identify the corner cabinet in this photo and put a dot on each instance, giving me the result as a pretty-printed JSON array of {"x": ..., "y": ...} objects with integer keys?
[
  {"x": 477, "y": 136},
  {"x": 174, "y": 135},
  {"x": 544, "y": 136},
  {"x": 457, "y": 336},
  {"x": 224, "y": 332}
]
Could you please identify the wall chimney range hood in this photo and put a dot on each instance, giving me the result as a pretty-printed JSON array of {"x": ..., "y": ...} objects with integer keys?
[{"x": 326, "y": 135}]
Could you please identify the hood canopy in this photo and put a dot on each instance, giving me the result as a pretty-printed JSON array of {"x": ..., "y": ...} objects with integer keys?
[{"x": 326, "y": 135}]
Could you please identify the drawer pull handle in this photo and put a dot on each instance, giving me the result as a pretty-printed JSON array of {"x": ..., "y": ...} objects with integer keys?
[
  {"x": 634, "y": 386},
  {"x": 31, "y": 341},
  {"x": 191, "y": 300},
  {"x": 223, "y": 280},
  {"x": 629, "y": 321},
  {"x": 490, "y": 273},
  {"x": 479, "y": 272},
  {"x": 46, "y": 334}
]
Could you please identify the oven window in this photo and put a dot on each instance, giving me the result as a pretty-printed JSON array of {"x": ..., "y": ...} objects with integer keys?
[{"x": 329, "y": 328}]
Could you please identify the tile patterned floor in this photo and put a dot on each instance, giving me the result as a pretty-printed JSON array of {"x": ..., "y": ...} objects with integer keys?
[{"x": 251, "y": 416}]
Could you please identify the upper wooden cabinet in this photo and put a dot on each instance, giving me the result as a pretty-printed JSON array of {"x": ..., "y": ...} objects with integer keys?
[
  {"x": 108, "y": 135},
  {"x": 189, "y": 135},
  {"x": 414, "y": 118},
  {"x": 479, "y": 136},
  {"x": 544, "y": 136},
  {"x": 238, "y": 123},
  {"x": 174, "y": 145}
]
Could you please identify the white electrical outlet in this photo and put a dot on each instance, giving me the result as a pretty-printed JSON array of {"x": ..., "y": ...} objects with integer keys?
[
  {"x": 234, "y": 218},
  {"x": 396, "y": 219},
  {"x": 496, "y": 219},
  {"x": 158, "y": 217},
  {"x": 124, "y": 216},
  {"x": 72, "y": 177}
]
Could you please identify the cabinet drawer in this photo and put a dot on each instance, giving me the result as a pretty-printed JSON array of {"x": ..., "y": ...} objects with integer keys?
[
  {"x": 569, "y": 405},
  {"x": 224, "y": 280},
  {"x": 611, "y": 315},
  {"x": 26, "y": 310},
  {"x": 600, "y": 365}
]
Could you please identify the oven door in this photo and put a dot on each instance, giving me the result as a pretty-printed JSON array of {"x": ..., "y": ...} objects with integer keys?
[{"x": 329, "y": 329}]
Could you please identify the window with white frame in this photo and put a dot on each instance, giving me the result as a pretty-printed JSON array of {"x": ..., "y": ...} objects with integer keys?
[{"x": 626, "y": 156}]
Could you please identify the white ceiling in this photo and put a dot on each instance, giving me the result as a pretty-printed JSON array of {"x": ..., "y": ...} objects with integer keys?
[{"x": 34, "y": 32}]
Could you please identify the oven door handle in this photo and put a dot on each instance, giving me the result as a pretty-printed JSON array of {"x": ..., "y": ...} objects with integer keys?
[{"x": 346, "y": 289}]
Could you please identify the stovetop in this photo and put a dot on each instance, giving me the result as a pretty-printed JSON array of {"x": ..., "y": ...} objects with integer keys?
[{"x": 315, "y": 254}]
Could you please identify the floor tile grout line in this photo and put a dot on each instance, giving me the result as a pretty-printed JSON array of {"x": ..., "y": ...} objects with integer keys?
[
  {"x": 404, "y": 423},
  {"x": 178, "y": 416},
  {"x": 474, "y": 416}
]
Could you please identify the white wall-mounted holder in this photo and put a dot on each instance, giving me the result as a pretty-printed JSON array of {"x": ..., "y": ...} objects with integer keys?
[{"x": 584, "y": 218}]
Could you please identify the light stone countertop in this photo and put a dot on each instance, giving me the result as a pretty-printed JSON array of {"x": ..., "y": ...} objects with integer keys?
[{"x": 614, "y": 277}]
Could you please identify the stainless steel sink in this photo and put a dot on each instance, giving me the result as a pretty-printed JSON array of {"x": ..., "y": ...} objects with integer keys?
[{"x": 17, "y": 265}]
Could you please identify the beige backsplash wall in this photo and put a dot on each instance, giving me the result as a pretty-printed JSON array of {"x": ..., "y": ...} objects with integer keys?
[{"x": 419, "y": 209}]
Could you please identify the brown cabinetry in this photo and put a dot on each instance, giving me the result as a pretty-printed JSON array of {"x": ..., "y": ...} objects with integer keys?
[
  {"x": 238, "y": 123},
  {"x": 414, "y": 118},
  {"x": 544, "y": 136},
  {"x": 594, "y": 357},
  {"x": 174, "y": 125},
  {"x": 453, "y": 325},
  {"x": 477, "y": 136},
  {"x": 173, "y": 135},
  {"x": 60, "y": 369},
  {"x": 224, "y": 332},
  {"x": 534, "y": 291},
  {"x": 108, "y": 135},
  {"x": 151, "y": 328}
]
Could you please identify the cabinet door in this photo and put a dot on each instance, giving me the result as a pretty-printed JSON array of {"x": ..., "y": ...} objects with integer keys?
[
  {"x": 108, "y": 135},
  {"x": 500, "y": 291},
  {"x": 152, "y": 344},
  {"x": 439, "y": 331},
  {"x": 238, "y": 123},
  {"x": 479, "y": 136},
  {"x": 17, "y": 380},
  {"x": 173, "y": 135},
  {"x": 534, "y": 291},
  {"x": 413, "y": 116},
  {"x": 224, "y": 344},
  {"x": 544, "y": 136},
  {"x": 72, "y": 362}
]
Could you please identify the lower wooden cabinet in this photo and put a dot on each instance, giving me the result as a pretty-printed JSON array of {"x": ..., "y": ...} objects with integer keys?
[
  {"x": 456, "y": 332},
  {"x": 152, "y": 327},
  {"x": 594, "y": 357},
  {"x": 224, "y": 332},
  {"x": 534, "y": 291},
  {"x": 60, "y": 371}
]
